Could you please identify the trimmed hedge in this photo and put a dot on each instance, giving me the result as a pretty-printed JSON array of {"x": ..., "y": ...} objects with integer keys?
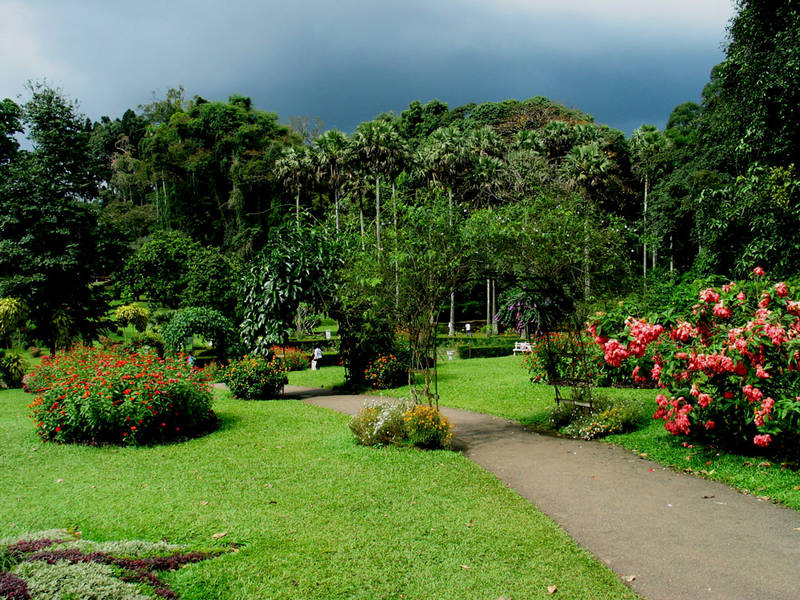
[{"x": 468, "y": 351}]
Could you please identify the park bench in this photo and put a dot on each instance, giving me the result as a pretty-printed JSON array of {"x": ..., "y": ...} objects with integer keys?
[{"x": 522, "y": 347}]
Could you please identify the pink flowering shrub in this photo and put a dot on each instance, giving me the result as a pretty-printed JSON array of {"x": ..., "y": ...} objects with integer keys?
[
  {"x": 728, "y": 371},
  {"x": 553, "y": 360}
]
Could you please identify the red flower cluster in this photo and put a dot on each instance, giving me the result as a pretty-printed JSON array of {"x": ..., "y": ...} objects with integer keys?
[{"x": 89, "y": 395}]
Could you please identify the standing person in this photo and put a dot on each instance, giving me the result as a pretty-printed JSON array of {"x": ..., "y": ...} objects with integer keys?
[
  {"x": 468, "y": 329},
  {"x": 316, "y": 356}
]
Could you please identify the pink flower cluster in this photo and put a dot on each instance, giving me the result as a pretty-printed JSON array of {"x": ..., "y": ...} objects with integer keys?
[{"x": 734, "y": 357}]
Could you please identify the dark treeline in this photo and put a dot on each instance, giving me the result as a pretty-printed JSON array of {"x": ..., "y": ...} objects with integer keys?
[{"x": 715, "y": 192}]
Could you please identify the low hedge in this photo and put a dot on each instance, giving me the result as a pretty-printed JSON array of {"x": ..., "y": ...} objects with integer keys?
[{"x": 469, "y": 351}]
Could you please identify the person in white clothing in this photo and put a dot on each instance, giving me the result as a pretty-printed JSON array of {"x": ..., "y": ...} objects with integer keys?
[{"x": 316, "y": 356}]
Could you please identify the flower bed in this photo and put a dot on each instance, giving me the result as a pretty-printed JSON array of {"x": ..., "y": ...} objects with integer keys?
[
  {"x": 383, "y": 422},
  {"x": 293, "y": 359},
  {"x": 731, "y": 368},
  {"x": 91, "y": 396}
]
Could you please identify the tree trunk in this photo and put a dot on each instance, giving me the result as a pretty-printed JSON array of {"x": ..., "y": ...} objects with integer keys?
[
  {"x": 297, "y": 210},
  {"x": 494, "y": 307},
  {"x": 644, "y": 231},
  {"x": 671, "y": 255},
  {"x": 166, "y": 204},
  {"x": 336, "y": 206},
  {"x": 361, "y": 219},
  {"x": 488, "y": 305},
  {"x": 396, "y": 264},
  {"x": 451, "y": 324},
  {"x": 378, "y": 213}
]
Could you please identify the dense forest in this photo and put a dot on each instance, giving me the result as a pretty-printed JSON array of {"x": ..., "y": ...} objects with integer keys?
[{"x": 527, "y": 191}]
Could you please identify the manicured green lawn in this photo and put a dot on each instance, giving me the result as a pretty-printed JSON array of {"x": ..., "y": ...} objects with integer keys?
[
  {"x": 500, "y": 386},
  {"x": 497, "y": 386},
  {"x": 312, "y": 514}
]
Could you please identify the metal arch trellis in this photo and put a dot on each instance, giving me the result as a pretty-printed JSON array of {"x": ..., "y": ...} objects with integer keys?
[{"x": 566, "y": 362}]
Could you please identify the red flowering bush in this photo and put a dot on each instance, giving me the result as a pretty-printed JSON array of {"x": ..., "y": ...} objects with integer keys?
[
  {"x": 293, "y": 359},
  {"x": 730, "y": 369},
  {"x": 386, "y": 371},
  {"x": 90, "y": 396}
]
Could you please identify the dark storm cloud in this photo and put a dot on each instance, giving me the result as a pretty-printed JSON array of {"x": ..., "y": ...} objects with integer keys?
[{"x": 625, "y": 62}]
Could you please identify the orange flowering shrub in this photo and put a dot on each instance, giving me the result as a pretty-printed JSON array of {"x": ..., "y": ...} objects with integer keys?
[
  {"x": 92, "y": 395},
  {"x": 386, "y": 371},
  {"x": 427, "y": 427}
]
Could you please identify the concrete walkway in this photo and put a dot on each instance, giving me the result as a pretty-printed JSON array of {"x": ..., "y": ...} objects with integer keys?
[{"x": 677, "y": 536}]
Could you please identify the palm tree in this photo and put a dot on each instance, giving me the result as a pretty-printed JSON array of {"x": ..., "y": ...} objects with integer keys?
[
  {"x": 647, "y": 151},
  {"x": 584, "y": 168},
  {"x": 381, "y": 150},
  {"x": 486, "y": 177},
  {"x": 557, "y": 137},
  {"x": 332, "y": 153},
  {"x": 443, "y": 158},
  {"x": 292, "y": 169}
]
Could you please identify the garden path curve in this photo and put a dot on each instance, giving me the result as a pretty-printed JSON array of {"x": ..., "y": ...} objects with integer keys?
[{"x": 678, "y": 536}]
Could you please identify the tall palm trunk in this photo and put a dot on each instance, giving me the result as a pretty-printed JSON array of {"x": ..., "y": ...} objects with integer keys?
[
  {"x": 644, "y": 231},
  {"x": 378, "y": 213},
  {"x": 494, "y": 307},
  {"x": 451, "y": 324},
  {"x": 297, "y": 210},
  {"x": 396, "y": 263},
  {"x": 361, "y": 220},
  {"x": 335, "y": 197},
  {"x": 488, "y": 305}
]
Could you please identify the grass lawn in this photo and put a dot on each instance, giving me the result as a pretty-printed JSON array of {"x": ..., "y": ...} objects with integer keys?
[
  {"x": 312, "y": 514},
  {"x": 500, "y": 386}
]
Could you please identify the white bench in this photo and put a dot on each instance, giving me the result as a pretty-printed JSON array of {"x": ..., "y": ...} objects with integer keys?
[{"x": 522, "y": 347}]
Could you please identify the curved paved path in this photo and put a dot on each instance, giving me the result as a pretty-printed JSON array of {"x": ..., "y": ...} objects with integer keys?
[{"x": 680, "y": 537}]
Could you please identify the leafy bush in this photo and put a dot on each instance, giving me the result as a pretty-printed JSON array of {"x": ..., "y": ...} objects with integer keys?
[
  {"x": 161, "y": 317},
  {"x": 606, "y": 416},
  {"x": 175, "y": 271},
  {"x": 12, "y": 368},
  {"x": 293, "y": 359},
  {"x": 427, "y": 427},
  {"x": 731, "y": 366},
  {"x": 470, "y": 351},
  {"x": 211, "y": 281},
  {"x": 386, "y": 371},
  {"x": 148, "y": 341},
  {"x": 91, "y": 396},
  {"x": 381, "y": 422},
  {"x": 256, "y": 377},
  {"x": 130, "y": 314},
  {"x": 13, "y": 313},
  {"x": 159, "y": 267},
  {"x": 207, "y": 322}
]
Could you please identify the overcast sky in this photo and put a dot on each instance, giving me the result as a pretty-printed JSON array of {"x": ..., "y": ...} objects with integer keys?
[{"x": 626, "y": 62}]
